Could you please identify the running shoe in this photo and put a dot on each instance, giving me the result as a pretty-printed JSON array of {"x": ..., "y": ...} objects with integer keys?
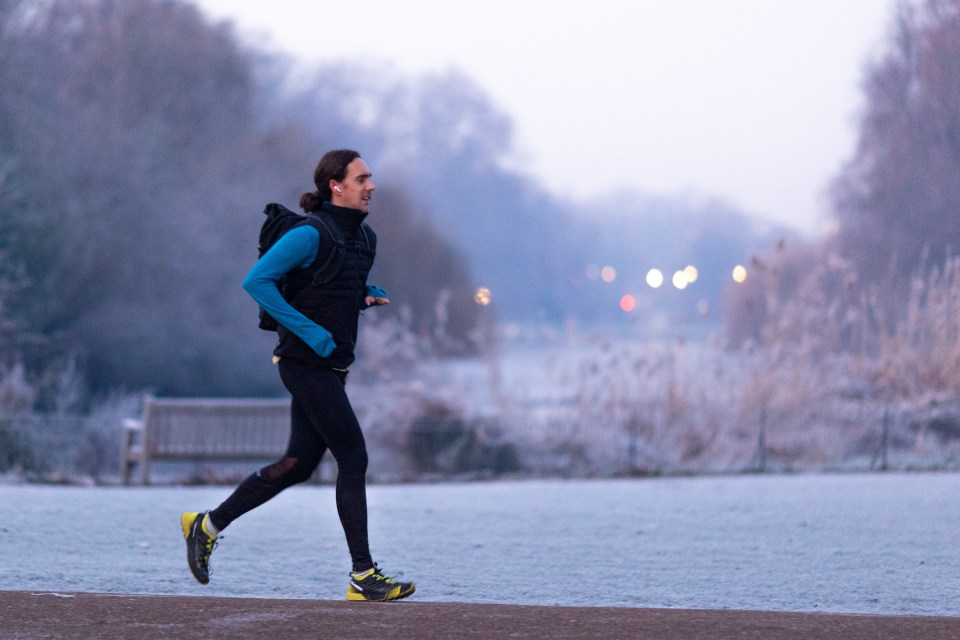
[
  {"x": 373, "y": 586},
  {"x": 199, "y": 545}
]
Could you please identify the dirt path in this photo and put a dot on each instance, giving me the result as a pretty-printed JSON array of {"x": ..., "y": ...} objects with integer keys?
[{"x": 36, "y": 615}]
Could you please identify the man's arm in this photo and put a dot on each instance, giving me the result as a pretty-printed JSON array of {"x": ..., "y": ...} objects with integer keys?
[{"x": 295, "y": 249}]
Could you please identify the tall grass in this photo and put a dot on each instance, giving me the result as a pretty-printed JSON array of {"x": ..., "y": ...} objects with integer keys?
[{"x": 833, "y": 377}]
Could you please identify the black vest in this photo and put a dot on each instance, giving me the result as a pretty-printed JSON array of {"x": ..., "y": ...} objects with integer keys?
[{"x": 335, "y": 305}]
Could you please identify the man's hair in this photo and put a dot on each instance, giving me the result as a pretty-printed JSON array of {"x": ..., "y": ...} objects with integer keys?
[{"x": 332, "y": 166}]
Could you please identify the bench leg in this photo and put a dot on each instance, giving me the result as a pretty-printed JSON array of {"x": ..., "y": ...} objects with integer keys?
[
  {"x": 125, "y": 461},
  {"x": 131, "y": 449},
  {"x": 145, "y": 469}
]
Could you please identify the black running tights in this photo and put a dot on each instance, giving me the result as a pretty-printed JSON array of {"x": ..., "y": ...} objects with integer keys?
[{"x": 321, "y": 419}]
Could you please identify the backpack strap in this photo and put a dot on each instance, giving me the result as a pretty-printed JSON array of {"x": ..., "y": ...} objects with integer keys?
[
  {"x": 369, "y": 239},
  {"x": 332, "y": 249}
]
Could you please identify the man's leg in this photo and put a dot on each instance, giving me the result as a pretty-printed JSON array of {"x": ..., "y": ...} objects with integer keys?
[
  {"x": 201, "y": 530},
  {"x": 304, "y": 451},
  {"x": 325, "y": 402},
  {"x": 321, "y": 396}
]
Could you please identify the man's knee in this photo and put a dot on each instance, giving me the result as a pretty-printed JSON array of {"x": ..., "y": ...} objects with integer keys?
[
  {"x": 288, "y": 471},
  {"x": 353, "y": 461}
]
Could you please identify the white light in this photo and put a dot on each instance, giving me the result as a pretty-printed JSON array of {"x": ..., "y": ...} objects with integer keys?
[
  {"x": 739, "y": 274},
  {"x": 654, "y": 278},
  {"x": 608, "y": 274},
  {"x": 680, "y": 280}
]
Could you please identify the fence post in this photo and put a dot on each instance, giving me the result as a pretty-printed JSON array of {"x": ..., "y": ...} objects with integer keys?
[
  {"x": 760, "y": 456},
  {"x": 884, "y": 442}
]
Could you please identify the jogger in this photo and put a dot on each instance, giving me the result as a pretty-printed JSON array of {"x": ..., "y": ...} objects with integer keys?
[{"x": 317, "y": 333}]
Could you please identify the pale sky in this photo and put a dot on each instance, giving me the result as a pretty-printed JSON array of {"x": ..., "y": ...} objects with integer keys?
[{"x": 753, "y": 102}]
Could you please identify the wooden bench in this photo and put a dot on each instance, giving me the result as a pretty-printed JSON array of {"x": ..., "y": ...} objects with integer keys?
[{"x": 203, "y": 429}]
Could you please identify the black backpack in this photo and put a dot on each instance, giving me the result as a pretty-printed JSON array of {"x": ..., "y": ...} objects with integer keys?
[{"x": 330, "y": 253}]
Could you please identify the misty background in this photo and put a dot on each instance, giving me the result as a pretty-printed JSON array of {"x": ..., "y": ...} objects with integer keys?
[{"x": 139, "y": 142}]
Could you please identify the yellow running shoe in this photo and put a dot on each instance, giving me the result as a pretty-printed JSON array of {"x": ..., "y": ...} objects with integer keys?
[
  {"x": 200, "y": 545},
  {"x": 373, "y": 586}
]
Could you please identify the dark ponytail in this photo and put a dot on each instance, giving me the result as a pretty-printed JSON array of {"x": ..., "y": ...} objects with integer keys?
[
  {"x": 311, "y": 201},
  {"x": 332, "y": 166}
]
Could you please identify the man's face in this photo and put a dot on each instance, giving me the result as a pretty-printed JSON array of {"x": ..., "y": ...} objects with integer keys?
[{"x": 356, "y": 188}]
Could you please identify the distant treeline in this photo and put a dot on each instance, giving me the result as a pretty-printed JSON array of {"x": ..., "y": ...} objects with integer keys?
[{"x": 138, "y": 146}]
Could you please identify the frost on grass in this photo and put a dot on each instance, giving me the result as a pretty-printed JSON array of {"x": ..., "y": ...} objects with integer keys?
[{"x": 829, "y": 379}]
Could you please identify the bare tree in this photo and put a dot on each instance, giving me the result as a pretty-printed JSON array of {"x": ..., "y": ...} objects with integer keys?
[{"x": 898, "y": 199}]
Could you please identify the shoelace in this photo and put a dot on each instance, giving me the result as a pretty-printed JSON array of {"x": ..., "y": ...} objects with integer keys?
[
  {"x": 388, "y": 579},
  {"x": 209, "y": 546}
]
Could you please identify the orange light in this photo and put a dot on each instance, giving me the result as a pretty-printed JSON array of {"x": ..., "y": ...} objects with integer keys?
[{"x": 628, "y": 303}]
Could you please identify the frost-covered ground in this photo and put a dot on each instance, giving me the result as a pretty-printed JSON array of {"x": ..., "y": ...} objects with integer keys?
[{"x": 866, "y": 543}]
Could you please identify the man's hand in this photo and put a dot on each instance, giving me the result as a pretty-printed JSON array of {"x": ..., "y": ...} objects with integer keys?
[{"x": 375, "y": 296}]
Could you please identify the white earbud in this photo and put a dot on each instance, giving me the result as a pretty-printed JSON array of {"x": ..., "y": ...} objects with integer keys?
[{"x": 337, "y": 189}]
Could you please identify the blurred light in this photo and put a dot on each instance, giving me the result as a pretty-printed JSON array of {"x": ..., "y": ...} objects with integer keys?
[
  {"x": 511, "y": 330},
  {"x": 654, "y": 278},
  {"x": 830, "y": 227},
  {"x": 691, "y": 273},
  {"x": 739, "y": 274},
  {"x": 680, "y": 280},
  {"x": 608, "y": 274},
  {"x": 482, "y": 296},
  {"x": 628, "y": 303},
  {"x": 703, "y": 307},
  {"x": 593, "y": 272}
]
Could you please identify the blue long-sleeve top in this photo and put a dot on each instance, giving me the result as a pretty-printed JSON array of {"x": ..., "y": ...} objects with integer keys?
[{"x": 296, "y": 249}]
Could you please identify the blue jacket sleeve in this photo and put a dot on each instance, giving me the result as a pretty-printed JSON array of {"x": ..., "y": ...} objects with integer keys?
[{"x": 295, "y": 249}]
